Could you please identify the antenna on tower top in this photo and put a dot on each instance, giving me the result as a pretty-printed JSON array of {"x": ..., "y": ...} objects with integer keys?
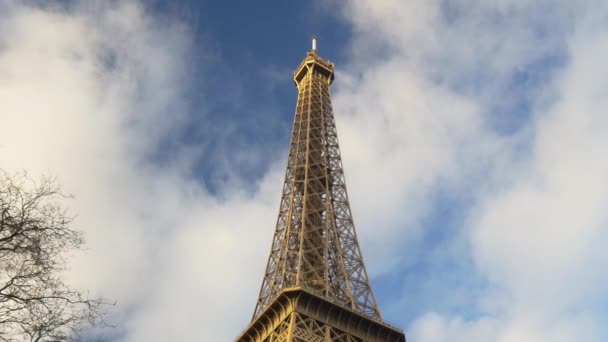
[{"x": 314, "y": 43}]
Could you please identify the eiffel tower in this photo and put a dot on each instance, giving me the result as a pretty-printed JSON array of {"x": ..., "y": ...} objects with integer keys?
[{"x": 315, "y": 287}]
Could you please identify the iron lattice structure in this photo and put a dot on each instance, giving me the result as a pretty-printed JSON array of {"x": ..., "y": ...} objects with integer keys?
[{"x": 315, "y": 259}]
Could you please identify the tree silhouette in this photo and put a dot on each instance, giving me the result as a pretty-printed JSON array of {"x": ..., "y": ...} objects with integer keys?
[{"x": 35, "y": 234}]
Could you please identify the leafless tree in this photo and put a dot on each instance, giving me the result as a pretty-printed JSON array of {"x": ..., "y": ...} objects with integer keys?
[{"x": 35, "y": 234}]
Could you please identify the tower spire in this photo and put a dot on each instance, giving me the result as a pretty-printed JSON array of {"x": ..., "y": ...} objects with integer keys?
[
  {"x": 314, "y": 43},
  {"x": 315, "y": 287}
]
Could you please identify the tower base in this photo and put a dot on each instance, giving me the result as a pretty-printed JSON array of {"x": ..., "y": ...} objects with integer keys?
[{"x": 298, "y": 315}]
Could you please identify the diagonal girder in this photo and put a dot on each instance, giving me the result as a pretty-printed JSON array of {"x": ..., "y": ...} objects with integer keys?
[{"x": 315, "y": 246}]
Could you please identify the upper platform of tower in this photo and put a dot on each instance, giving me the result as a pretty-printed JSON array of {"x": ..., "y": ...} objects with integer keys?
[{"x": 313, "y": 64}]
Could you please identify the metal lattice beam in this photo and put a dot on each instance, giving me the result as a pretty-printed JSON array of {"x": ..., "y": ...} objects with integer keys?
[
  {"x": 298, "y": 315},
  {"x": 315, "y": 246}
]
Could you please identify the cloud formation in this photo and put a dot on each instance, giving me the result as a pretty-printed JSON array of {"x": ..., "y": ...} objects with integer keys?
[
  {"x": 497, "y": 103},
  {"x": 92, "y": 94}
]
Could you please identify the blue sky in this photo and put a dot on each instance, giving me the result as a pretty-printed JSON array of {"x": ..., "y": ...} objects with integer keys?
[
  {"x": 247, "y": 54},
  {"x": 472, "y": 135}
]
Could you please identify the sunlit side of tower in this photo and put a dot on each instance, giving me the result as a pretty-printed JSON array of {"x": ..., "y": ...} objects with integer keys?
[{"x": 316, "y": 288}]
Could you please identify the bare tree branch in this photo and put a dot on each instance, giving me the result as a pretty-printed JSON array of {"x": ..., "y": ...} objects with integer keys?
[{"x": 35, "y": 233}]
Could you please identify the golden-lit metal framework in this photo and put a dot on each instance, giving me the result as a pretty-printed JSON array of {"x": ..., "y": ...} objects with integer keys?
[
  {"x": 315, "y": 287},
  {"x": 299, "y": 315}
]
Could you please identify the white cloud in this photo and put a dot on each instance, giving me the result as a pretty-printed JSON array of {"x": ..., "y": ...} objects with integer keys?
[
  {"x": 541, "y": 237},
  {"x": 420, "y": 107},
  {"x": 433, "y": 327},
  {"x": 89, "y": 94},
  {"x": 398, "y": 143}
]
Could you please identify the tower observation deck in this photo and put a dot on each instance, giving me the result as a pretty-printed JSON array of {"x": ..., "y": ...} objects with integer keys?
[{"x": 315, "y": 287}]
